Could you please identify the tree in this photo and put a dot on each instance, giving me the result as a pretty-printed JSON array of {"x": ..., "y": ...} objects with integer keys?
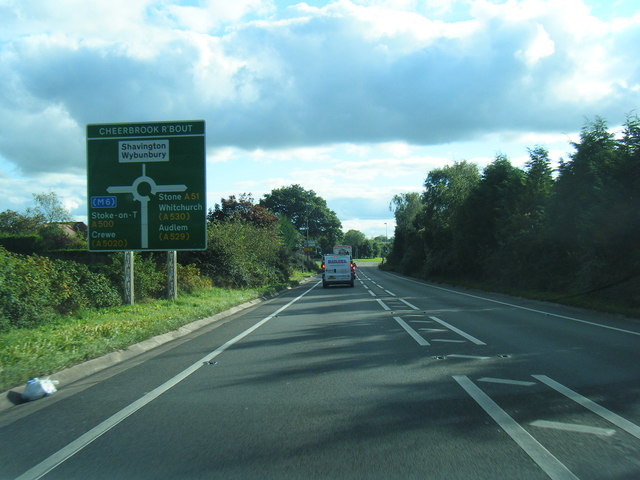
[
  {"x": 307, "y": 211},
  {"x": 355, "y": 238},
  {"x": 49, "y": 208},
  {"x": 446, "y": 191},
  {"x": 244, "y": 209},
  {"x": 485, "y": 221},
  {"x": 289, "y": 235},
  {"x": 407, "y": 253},
  {"x": 538, "y": 181},
  {"x": 14, "y": 223}
]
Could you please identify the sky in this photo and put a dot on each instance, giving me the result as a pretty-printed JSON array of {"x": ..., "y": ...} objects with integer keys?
[{"x": 356, "y": 100}]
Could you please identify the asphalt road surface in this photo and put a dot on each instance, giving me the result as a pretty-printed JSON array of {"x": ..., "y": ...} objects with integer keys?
[{"x": 392, "y": 379}]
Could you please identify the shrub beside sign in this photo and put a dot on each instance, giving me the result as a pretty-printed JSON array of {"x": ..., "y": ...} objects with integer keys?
[{"x": 146, "y": 186}]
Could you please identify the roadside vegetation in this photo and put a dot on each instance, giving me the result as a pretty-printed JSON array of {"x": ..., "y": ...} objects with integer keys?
[
  {"x": 61, "y": 305},
  {"x": 71, "y": 339},
  {"x": 569, "y": 235}
]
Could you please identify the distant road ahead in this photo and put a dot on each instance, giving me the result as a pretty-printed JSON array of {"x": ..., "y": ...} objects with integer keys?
[{"x": 392, "y": 379}]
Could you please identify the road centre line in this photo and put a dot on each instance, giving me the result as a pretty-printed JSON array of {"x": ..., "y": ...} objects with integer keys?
[
  {"x": 538, "y": 453},
  {"x": 458, "y": 331},
  {"x": 571, "y": 427},
  {"x": 382, "y": 304},
  {"x": 50, "y": 463},
  {"x": 599, "y": 410},
  {"x": 415, "y": 335},
  {"x": 518, "y": 306}
]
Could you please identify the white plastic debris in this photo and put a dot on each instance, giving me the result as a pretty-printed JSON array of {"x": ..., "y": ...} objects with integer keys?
[{"x": 37, "y": 388}]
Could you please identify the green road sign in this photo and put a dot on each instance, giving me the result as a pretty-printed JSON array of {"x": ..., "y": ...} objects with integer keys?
[{"x": 146, "y": 186}]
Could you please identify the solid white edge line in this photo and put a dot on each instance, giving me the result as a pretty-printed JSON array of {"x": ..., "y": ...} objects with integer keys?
[
  {"x": 408, "y": 304},
  {"x": 50, "y": 463},
  {"x": 555, "y": 469},
  {"x": 382, "y": 304},
  {"x": 415, "y": 335},
  {"x": 599, "y": 410},
  {"x": 458, "y": 331},
  {"x": 518, "y": 306}
]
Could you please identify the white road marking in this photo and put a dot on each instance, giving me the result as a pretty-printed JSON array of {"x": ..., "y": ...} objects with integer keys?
[
  {"x": 416, "y": 336},
  {"x": 599, "y": 410},
  {"x": 506, "y": 381},
  {"x": 408, "y": 304},
  {"x": 545, "y": 460},
  {"x": 445, "y": 340},
  {"x": 458, "y": 331},
  {"x": 434, "y": 330},
  {"x": 390, "y": 293},
  {"x": 571, "y": 427},
  {"x": 382, "y": 304},
  {"x": 631, "y": 332},
  {"x": 48, "y": 464},
  {"x": 471, "y": 357},
  {"x": 371, "y": 293}
]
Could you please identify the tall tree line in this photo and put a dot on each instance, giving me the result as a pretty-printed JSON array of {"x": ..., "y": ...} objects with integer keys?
[{"x": 576, "y": 230}]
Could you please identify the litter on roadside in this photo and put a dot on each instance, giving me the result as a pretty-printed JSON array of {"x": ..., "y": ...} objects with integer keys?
[{"x": 37, "y": 388}]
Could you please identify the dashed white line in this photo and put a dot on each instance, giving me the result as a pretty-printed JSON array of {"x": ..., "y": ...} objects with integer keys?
[
  {"x": 608, "y": 415},
  {"x": 408, "y": 304},
  {"x": 545, "y": 460},
  {"x": 382, "y": 304},
  {"x": 390, "y": 293},
  {"x": 371, "y": 293},
  {"x": 416, "y": 336},
  {"x": 446, "y": 340},
  {"x": 458, "y": 331}
]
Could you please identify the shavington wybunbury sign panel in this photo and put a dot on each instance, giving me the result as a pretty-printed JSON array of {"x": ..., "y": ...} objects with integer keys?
[{"x": 146, "y": 186}]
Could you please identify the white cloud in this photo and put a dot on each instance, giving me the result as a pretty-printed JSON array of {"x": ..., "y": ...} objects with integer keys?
[{"x": 289, "y": 94}]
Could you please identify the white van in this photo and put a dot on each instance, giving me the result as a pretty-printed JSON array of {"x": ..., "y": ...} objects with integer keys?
[{"x": 337, "y": 269}]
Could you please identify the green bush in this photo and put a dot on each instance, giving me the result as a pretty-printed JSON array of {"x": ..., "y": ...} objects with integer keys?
[
  {"x": 240, "y": 254},
  {"x": 35, "y": 289},
  {"x": 190, "y": 279}
]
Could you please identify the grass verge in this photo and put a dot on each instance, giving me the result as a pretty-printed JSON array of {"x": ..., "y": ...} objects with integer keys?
[{"x": 68, "y": 341}]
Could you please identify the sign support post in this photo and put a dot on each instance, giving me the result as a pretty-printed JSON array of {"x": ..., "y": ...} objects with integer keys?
[
  {"x": 172, "y": 275},
  {"x": 128, "y": 278}
]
